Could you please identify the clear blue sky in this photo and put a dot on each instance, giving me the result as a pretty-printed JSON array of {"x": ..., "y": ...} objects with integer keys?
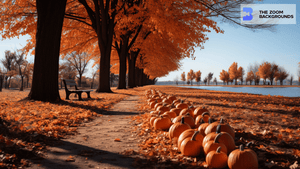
[
  {"x": 237, "y": 44},
  {"x": 244, "y": 46}
]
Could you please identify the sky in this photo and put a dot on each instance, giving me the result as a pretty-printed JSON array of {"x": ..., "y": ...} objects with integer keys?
[{"x": 237, "y": 44}]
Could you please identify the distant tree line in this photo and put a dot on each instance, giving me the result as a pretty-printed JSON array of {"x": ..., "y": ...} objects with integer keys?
[{"x": 268, "y": 72}]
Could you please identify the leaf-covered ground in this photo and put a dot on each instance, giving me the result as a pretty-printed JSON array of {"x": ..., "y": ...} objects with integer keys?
[
  {"x": 27, "y": 128},
  {"x": 273, "y": 124}
]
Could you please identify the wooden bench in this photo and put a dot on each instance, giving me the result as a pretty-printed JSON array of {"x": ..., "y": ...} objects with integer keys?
[{"x": 71, "y": 82}]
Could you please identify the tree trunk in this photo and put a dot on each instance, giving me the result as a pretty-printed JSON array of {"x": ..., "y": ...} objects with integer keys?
[
  {"x": 131, "y": 69},
  {"x": 105, "y": 31},
  {"x": 22, "y": 81},
  {"x": 46, "y": 61},
  {"x": 123, "y": 52},
  {"x": 80, "y": 76}
]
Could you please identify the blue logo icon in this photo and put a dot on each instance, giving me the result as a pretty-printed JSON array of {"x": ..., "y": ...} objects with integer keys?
[{"x": 248, "y": 17}]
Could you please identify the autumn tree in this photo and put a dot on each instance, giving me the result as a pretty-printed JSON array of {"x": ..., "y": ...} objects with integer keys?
[
  {"x": 281, "y": 75},
  {"x": 241, "y": 73},
  {"x": 183, "y": 77},
  {"x": 198, "y": 76},
  {"x": 233, "y": 72},
  {"x": 264, "y": 71},
  {"x": 191, "y": 76},
  {"x": 224, "y": 76},
  {"x": 273, "y": 72},
  {"x": 79, "y": 62}
]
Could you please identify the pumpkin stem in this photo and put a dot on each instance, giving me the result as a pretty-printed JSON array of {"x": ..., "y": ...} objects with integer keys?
[
  {"x": 217, "y": 138},
  {"x": 249, "y": 144},
  {"x": 241, "y": 147},
  {"x": 194, "y": 135},
  {"x": 209, "y": 120},
  {"x": 182, "y": 120},
  {"x": 219, "y": 149},
  {"x": 159, "y": 112},
  {"x": 190, "y": 107},
  {"x": 218, "y": 129},
  {"x": 205, "y": 113},
  {"x": 201, "y": 121},
  {"x": 221, "y": 120}
]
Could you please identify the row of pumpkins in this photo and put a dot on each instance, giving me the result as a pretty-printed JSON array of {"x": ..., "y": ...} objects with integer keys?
[{"x": 196, "y": 133}]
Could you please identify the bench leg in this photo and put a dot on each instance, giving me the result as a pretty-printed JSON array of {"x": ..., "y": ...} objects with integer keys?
[
  {"x": 88, "y": 94},
  {"x": 67, "y": 96},
  {"x": 79, "y": 95}
]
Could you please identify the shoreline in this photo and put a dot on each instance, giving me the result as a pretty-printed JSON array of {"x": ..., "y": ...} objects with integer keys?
[{"x": 259, "y": 86}]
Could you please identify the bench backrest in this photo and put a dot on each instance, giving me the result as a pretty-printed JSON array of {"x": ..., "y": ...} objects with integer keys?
[{"x": 70, "y": 82}]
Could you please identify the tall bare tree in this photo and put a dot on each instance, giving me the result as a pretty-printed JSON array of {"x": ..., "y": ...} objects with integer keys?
[
  {"x": 22, "y": 65},
  {"x": 209, "y": 77},
  {"x": 254, "y": 69},
  {"x": 79, "y": 62},
  {"x": 9, "y": 65}
]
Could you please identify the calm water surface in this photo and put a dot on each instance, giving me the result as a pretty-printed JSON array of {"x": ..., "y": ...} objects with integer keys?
[{"x": 273, "y": 91}]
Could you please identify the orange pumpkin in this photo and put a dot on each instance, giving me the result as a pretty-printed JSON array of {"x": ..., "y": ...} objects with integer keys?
[
  {"x": 163, "y": 108},
  {"x": 171, "y": 114},
  {"x": 214, "y": 144},
  {"x": 205, "y": 116},
  {"x": 203, "y": 126},
  {"x": 184, "y": 135},
  {"x": 191, "y": 146},
  {"x": 187, "y": 118},
  {"x": 217, "y": 159},
  {"x": 162, "y": 123},
  {"x": 176, "y": 110},
  {"x": 167, "y": 101},
  {"x": 171, "y": 97},
  {"x": 177, "y": 128},
  {"x": 224, "y": 127},
  {"x": 182, "y": 105},
  {"x": 225, "y": 138},
  {"x": 189, "y": 110},
  {"x": 199, "y": 111},
  {"x": 242, "y": 158},
  {"x": 152, "y": 104}
]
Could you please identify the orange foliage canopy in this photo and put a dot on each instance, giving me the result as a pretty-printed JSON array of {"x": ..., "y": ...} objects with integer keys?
[{"x": 174, "y": 32}]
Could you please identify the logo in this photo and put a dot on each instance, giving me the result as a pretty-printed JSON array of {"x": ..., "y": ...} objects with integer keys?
[
  {"x": 268, "y": 14},
  {"x": 248, "y": 17}
]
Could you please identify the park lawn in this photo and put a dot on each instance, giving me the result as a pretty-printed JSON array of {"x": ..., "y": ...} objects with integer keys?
[{"x": 272, "y": 122}]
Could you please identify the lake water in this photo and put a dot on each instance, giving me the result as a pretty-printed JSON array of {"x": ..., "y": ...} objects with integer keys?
[{"x": 273, "y": 91}]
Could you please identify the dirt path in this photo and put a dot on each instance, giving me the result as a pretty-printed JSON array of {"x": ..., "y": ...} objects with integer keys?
[{"x": 95, "y": 145}]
